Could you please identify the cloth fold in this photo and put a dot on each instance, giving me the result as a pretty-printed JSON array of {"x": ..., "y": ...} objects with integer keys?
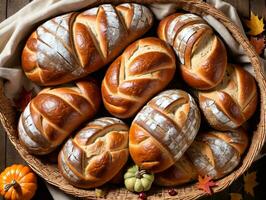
[{"x": 15, "y": 29}]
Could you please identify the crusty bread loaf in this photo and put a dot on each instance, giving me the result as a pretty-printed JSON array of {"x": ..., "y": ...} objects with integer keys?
[
  {"x": 73, "y": 45},
  {"x": 183, "y": 171},
  {"x": 212, "y": 153},
  {"x": 201, "y": 53},
  {"x": 171, "y": 25},
  {"x": 144, "y": 69},
  {"x": 55, "y": 113},
  {"x": 163, "y": 130},
  {"x": 232, "y": 102},
  {"x": 96, "y": 154}
]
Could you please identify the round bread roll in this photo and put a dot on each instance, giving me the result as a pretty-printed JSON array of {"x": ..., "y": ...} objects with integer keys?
[
  {"x": 144, "y": 69},
  {"x": 96, "y": 154},
  {"x": 163, "y": 130},
  {"x": 201, "y": 53},
  {"x": 55, "y": 113},
  {"x": 212, "y": 153},
  {"x": 232, "y": 102}
]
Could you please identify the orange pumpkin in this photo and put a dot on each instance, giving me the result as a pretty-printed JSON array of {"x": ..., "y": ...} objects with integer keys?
[{"x": 18, "y": 182}]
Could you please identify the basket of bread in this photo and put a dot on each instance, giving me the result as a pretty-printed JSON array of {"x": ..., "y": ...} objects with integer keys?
[{"x": 136, "y": 104}]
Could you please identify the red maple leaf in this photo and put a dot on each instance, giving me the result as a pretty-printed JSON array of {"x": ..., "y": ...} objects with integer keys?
[
  {"x": 205, "y": 183},
  {"x": 258, "y": 43},
  {"x": 23, "y": 99}
]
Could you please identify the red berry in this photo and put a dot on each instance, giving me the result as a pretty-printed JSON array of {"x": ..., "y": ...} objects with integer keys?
[
  {"x": 142, "y": 196},
  {"x": 172, "y": 192}
]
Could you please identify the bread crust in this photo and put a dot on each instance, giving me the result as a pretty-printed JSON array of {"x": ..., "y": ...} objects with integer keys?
[
  {"x": 207, "y": 72},
  {"x": 212, "y": 153},
  {"x": 232, "y": 102},
  {"x": 55, "y": 113},
  {"x": 96, "y": 154},
  {"x": 71, "y": 46},
  {"x": 144, "y": 69},
  {"x": 163, "y": 130}
]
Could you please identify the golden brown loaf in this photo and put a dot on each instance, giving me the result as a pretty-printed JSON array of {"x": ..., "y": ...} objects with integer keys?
[
  {"x": 163, "y": 130},
  {"x": 183, "y": 171},
  {"x": 96, "y": 154},
  {"x": 212, "y": 153},
  {"x": 201, "y": 53},
  {"x": 73, "y": 45},
  {"x": 144, "y": 69},
  {"x": 232, "y": 102},
  {"x": 55, "y": 113}
]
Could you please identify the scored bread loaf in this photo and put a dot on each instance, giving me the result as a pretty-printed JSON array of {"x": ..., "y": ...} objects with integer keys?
[
  {"x": 212, "y": 153},
  {"x": 163, "y": 130},
  {"x": 201, "y": 53},
  {"x": 96, "y": 154},
  {"x": 232, "y": 102},
  {"x": 55, "y": 113},
  {"x": 73, "y": 45},
  {"x": 144, "y": 69}
]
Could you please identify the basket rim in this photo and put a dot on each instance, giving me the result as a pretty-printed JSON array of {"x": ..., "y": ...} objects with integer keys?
[{"x": 191, "y": 192}]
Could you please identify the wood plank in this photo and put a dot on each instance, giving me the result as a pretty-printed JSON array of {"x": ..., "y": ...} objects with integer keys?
[
  {"x": 258, "y": 7},
  {"x": 2, "y": 10},
  {"x": 242, "y": 6}
]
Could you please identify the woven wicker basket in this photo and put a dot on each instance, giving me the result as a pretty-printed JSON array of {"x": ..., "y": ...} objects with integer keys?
[{"x": 50, "y": 171}]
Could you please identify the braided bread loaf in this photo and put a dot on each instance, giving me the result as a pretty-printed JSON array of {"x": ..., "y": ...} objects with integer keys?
[
  {"x": 163, "y": 130},
  {"x": 73, "y": 45},
  {"x": 212, "y": 153},
  {"x": 96, "y": 154},
  {"x": 201, "y": 53},
  {"x": 232, "y": 102},
  {"x": 144, "y": 69},
  {"x": 55, "y": 113}
]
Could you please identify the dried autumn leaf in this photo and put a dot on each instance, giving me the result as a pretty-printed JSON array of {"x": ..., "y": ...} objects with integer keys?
[
  {"x": 205, "y": 183},
  {"x": 255, "y": 25},
  {"x": 23, "y": 99},
  {"x": 236, "y": 196},
  {"x": 250, "y": 182},
  {"x": 258, "y": 43}
]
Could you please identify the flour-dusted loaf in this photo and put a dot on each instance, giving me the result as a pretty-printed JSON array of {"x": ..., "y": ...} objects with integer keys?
[
  {"x": 143, "y": 70},
  {"x": 163, "y": 130},
  {"x": 212, "y": 153},
  {"x": 73, "y": 45},
  {"x": 96, "y": 154},
  {"x": 232, "y": 102},
  {"x": 201, "y": 53},
  {"x": 55, "y": 113}
]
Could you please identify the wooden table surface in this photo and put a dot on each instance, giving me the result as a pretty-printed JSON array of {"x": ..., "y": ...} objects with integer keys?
[{"x": 9, "y": 155}]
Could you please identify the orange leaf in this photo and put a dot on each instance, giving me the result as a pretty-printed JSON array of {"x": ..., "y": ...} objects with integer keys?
[
  {"x": 255, "y": 25},
  {"x": 205, "y": 183},
  {"x": 24, "y": 98},
  {"x": 250, "y": 182},
  {"x": 258, "y": 43}
]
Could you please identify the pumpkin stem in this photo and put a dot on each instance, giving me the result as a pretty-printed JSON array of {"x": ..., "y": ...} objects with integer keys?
[
  {"x": 139, "y": 174},
  {"x": 14, "y": 184}
]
